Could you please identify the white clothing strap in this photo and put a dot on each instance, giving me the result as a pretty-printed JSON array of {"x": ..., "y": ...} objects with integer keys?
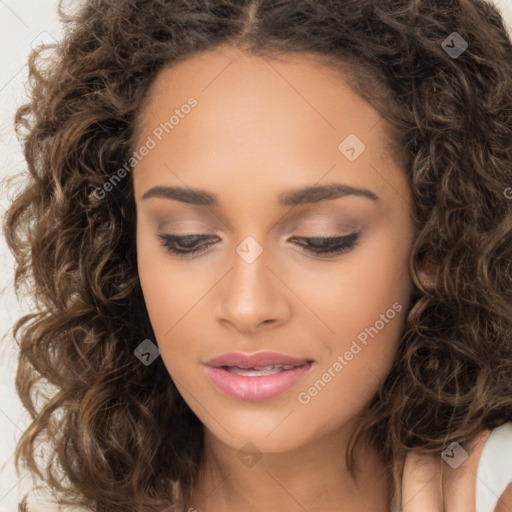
[{"x": 494, "y": 471}]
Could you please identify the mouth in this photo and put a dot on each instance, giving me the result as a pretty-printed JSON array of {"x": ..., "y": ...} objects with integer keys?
[
  {"x": 259, "y": 361},
  {"x": 261, "y": 370},
  {"x": 244, "y": 381}
]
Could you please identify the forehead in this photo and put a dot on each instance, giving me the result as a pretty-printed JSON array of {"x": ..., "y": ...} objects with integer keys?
[
  {"x": 242, "y": 83},
  {"x": 256, "y": 118}
]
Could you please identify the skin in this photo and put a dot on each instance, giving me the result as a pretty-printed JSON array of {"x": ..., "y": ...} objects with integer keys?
[{"x": 262, "y": 127}]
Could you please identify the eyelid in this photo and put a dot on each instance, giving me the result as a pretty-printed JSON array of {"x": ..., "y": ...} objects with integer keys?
[
  {"x": 326, "y": 222},
  {"x": 184, "y": 228},
  {"x": 331, "y": 232},
  {"x": 329, "y": 247}
]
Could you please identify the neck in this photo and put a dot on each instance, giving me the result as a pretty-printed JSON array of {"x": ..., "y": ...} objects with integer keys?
[{"x": 311, "y": 477}]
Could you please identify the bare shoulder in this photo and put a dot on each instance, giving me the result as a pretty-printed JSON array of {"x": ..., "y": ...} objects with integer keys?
[
  {"x": 505, "y": 502},
  {"x": 494, "y": 482}
]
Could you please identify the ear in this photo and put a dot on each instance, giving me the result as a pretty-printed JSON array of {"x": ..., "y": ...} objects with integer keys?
[{"x": 426, "y": 275}]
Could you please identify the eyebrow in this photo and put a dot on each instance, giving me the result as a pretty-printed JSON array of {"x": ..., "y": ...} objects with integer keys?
[{"x": 295, "y": 197}]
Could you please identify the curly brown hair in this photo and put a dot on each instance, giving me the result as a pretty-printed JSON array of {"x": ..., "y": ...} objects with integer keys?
[{"x": 123, "y": 436}]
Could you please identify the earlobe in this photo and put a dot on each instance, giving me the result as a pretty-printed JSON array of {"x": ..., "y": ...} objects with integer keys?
[
  {"x": 426, "y": 275},
  {"x": 426, "y": 279}
]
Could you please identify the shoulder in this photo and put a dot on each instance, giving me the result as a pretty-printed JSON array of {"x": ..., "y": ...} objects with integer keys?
[
  {"x": 505, "y": 502},
  {"x": 494, "y": 471}
]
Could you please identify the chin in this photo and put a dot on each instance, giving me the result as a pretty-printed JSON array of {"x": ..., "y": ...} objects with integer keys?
[{"x": 257, "y": 441}]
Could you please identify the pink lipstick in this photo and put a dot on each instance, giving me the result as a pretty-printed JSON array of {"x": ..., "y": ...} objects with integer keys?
[{"x": 259, "y": 376}]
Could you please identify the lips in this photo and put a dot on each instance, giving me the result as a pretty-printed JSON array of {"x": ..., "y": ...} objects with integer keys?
[
  {"x": 258, "y": 360},
  {"x": 256, "y": 376}
]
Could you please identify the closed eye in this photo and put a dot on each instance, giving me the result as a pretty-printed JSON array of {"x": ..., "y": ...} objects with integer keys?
[{"x": 189, "y": 245}]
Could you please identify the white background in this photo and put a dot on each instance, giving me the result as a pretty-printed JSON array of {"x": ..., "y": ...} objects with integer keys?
[{"x": 24, "y": 23}]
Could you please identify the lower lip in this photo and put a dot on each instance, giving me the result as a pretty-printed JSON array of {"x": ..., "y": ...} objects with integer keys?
[{"x": 256, "y": 388}]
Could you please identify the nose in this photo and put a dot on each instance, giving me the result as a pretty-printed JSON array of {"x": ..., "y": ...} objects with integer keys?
[{"x": 251, "y": 295}]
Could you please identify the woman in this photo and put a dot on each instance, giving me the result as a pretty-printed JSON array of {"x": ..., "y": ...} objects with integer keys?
[{"x": 271, "y": 247}]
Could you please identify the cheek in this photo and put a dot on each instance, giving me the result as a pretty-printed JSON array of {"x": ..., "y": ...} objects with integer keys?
[
  {"x": 360, "y": 354},
  {"x": 169, "y": 289},
  {"x": 174, "y": 294},
  {"x": 362, "y": 307},
  {"x": 170, "y": 298},
  {"x": 353, "y": 294},
  {"x": 169, "y": 301}
]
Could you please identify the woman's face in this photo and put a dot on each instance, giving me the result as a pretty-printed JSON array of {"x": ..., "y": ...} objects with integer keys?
[{"x": 235, "y": 148}]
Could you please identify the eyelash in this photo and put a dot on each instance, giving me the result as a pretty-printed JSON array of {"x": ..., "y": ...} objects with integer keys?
[{"x": 330, "y": 246}]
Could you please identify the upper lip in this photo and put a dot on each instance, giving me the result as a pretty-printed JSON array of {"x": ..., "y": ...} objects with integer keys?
[{"x": 255, "y": 360}]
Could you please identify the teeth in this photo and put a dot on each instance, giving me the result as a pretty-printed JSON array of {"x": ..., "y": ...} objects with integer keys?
[{"x": 259, "y": 371}]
